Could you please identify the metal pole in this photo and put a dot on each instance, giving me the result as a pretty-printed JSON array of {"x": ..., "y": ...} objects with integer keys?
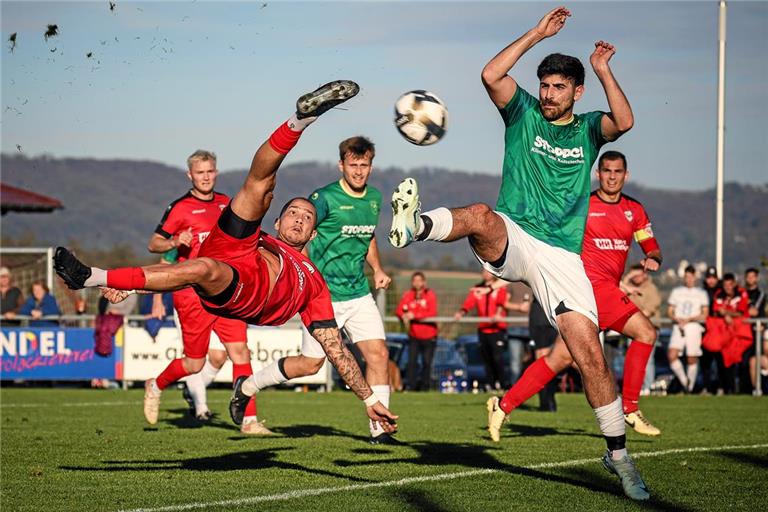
[
  {"x": 758, "y": 357},
  {"x": 720, "y": 141},
  {"x": 49, "y": 268}
]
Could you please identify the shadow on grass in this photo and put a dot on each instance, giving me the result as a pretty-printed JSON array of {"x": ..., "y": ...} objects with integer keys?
[
  {"x": 184, "y": 420},
  {"x": 413, "y": 499},
  {"x": 247, "y": 460},
  {"x": 298, "y": 431},
  {"x": 480, "y": 457},
  {"x": 760, "y": 462},
  {"x": 519, "y": 430}
]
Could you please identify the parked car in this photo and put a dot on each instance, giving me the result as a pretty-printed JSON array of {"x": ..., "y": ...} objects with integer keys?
[{"x": 469, "y": 347}]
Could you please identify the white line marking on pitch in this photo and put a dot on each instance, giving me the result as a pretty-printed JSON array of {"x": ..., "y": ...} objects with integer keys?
[
  {"x": 86, "y": 404},
  {"x": 302, "y": 493}
]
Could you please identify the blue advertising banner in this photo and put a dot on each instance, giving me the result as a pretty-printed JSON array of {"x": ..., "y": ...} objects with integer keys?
[{"x": 53, "y": 354}]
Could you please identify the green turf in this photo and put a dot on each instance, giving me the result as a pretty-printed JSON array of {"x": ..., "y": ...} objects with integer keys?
[{"x": 90, "y": 450}]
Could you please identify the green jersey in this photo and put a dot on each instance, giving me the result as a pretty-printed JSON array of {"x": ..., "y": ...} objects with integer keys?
[
  {"x": 546, "y": 177},
  {"x": 345, "y": 228}
]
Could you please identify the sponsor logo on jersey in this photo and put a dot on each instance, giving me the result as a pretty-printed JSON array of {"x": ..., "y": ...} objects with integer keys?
[
  {"x": 597, "y": 214},
  {"x": 561, "y": 155},
  {"x": 357, "y": 230},
  {"x": 202, "y": 236},
  {"x": 299, "y": 273},
  {"x": 611, "y": 244},
  {"x": 197, "y": 212},
  {"x": 346, "y": 207}
]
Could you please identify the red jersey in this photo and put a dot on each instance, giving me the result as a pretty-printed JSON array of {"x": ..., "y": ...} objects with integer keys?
[
  {"x": 422, "y": 306},
  {"x": 299, "y": 286},
  {"x": 187, "y": 212},
  {"x": 487, "y": 304},
  {"x": 608, "y": 236},
  {"x": 739, "y": 303}
]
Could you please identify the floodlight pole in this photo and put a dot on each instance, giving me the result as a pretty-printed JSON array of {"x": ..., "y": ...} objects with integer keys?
[{"x": 720, "y": 141}]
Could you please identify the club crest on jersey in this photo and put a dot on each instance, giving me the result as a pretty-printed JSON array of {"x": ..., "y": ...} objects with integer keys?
[
  {"x": 314, "y": 196},
  {"x": 628, "y": 215},
  {"x": 374, "y": 207}
]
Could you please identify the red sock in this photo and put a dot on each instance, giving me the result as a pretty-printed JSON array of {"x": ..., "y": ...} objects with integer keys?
[
  {"x": 284, "y": 139},
  {"x": 239, "y": 370},
  {"x": 126, "y": 278},
  {"x": 532, "y": 381},
  {"x": 172, "y": 373},
  {"x": 634, "y": 372}
]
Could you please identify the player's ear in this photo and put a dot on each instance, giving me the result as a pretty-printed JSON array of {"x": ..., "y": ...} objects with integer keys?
[
  {"x": 341, "y": 165},
  {"x": 277, "y": 224},
  {"x": 578, "y": 92},
  {"x": 312, "y": 235},
  {"x": 189, "y": 175}
]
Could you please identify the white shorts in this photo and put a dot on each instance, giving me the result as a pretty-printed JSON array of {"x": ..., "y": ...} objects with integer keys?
[
  {"x": 215, "y": 343},
  {"x": 687, "y": 339},
  {"x": 556, "y": 276},
  {"x": 360, "y": 318}
]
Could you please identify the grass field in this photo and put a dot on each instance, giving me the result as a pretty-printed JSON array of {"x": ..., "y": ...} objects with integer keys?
[{"x": 91, "y": 450}]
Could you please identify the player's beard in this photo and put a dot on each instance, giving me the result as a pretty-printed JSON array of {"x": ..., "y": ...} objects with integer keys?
[{"x": 556, "y": 113}]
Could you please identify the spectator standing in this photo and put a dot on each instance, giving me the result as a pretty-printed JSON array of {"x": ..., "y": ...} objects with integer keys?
[
  {"x": 756, "y": 310},
  {"x": 489, "y": 298},
  {"x": 543, "y": 336},
  {"x": 727, "y": 333},
  {"x": 642, "y": 291},
  {"x": 11, "y": 297},
  {"x": 40, "y": 303},
  {"x": 688, "y": 308},
  {"x": 418, "y": 303},
  {"x": 711, "y": 381}
]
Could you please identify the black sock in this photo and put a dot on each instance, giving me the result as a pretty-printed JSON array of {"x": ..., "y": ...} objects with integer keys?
[{"x": 426, "y": 223}]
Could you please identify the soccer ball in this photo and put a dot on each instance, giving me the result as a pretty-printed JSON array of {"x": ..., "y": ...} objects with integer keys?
[{"x": 421, "y": 117}]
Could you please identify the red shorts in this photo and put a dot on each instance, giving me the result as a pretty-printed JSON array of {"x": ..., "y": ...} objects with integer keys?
[
  {"x": 614, "y": 308},
  {"x": 253, "y": 276},
  {"x": 197, "y": 324}
]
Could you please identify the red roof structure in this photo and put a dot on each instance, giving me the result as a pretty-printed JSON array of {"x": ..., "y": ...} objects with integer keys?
[{"x": 14, "y": 199}]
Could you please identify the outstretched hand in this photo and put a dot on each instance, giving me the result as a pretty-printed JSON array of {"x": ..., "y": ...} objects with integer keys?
[
  {"x": 602, "y": 54},
  {"x": 381, "y": 415},
  {"x": 114, "y": 296},
  {"x": 552, "y": 22}
]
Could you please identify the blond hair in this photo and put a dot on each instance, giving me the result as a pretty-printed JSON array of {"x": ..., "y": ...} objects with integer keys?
[{"x": 201, "y": 155}]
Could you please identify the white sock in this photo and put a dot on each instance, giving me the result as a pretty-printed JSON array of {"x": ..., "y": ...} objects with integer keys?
[
  {"x": 154, "y": 388},
  {"x": 249, "y": 386},
  {"x": 270, "y": 375},
  {"x": 442, "y": 224},
  {"x": 196, "y": 388},
  {"x": 298, "y": 125},
  {"x": 693, "y": 370},
  {"x": 250, "y": 419},
  {"x": 382, "y": 393},
  {"x": 98, "y": 278},
  {"x": 208, "y": 373},
  {"x": 610, "y": 419},
  {"x": 677, "y": 368}
]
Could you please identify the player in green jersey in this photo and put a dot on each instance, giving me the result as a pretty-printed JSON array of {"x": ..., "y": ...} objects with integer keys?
[
  {"x": 347, "y": 215},
  {"x": 536, "y": 232}
]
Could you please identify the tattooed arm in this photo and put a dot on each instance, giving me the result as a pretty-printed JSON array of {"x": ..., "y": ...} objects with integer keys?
[{"x": 330, "y": 339}]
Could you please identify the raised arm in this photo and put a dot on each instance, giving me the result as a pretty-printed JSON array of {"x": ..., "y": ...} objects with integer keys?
[
  {"x": 620, "y": 118},
  {"x": 500, "y": 86},
  {"x": 344, "y": 362}
]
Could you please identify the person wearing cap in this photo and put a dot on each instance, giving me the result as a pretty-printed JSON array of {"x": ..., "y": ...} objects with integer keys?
[
  {"x": 688, "y": 309},
  {"x": 757, "y": 301},
  {"x": 711, "y": 383},
  {"x": 11, "y": 297}
]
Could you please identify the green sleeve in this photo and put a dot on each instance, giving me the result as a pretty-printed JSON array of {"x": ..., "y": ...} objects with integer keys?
[
  {"x": 594, "y": 126},
  {"x": 321, "y": 204},
  {"x": 520, "y": 102}
]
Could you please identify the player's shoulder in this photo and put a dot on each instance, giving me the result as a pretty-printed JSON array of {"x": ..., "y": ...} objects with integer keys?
[
  {"x": 181, "y": 200},
  {"x": 323, "y": 192},
  {"x": 631, "y": 201},
  {"x": 219, "y": 197},
  {"x": 373, "y": 193}
]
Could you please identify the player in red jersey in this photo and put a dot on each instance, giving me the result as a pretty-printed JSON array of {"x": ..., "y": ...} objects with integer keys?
[
  {"x": 614, "y": 219},
  {"x": 185, "y": 224},
  {"x": 243, "y": 273}
]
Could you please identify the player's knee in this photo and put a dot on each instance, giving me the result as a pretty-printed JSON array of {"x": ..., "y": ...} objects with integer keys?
[
  {"x": 217, "y": 358},
  {"x": 377, "y": 356},
  {"x": 311, "y": 365},
  {"x": 481, "y": 212},
  {"x": 193, "y": 365},
  {"x": 672, "y": 356},
  {"x": 647, "y": 334},
  {"x": 558, "y": 362}
]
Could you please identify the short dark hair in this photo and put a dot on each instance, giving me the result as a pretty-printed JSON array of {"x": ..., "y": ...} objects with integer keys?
[
  {"x": 357, "y": 146},
  {"x": 559, "y": 64},
  {"x": 750, "y": 270},
  {"x": 690, "y": 270},
  {"x": 612, "y": 155},
  {"x": 419, "y": 273},
  {"x": 728, "y": 276},
  {"x": 290, "y": 202}
]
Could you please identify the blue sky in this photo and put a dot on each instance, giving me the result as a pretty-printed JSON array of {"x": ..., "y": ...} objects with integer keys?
[{"x": 166, "y": 78}]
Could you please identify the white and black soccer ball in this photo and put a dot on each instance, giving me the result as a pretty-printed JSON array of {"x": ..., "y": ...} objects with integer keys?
[{"x": 421, "y": 117}]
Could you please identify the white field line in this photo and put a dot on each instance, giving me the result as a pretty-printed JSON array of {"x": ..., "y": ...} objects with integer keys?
[
  {"x": 302, "y": 493},
  {"x": 91, "y": 404}
]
